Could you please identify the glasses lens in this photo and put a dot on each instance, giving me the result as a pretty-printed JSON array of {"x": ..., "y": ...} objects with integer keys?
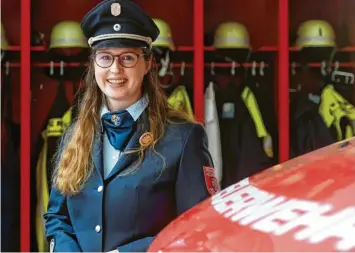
[
  {"x": 104, "y": 60},
  {"x": 128, "y": 60}
]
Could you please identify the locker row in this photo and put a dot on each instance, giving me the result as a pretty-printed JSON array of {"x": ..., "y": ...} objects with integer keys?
[{"x": 321, "y": 79}]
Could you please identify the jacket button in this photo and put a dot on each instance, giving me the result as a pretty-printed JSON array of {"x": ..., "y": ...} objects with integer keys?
[
  {"x": 97, "y": 228},
  {"x": 100, "y": 188}
]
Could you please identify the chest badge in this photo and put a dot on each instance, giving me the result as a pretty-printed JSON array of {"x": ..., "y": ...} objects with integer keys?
[{"x": 146, "y": 139}]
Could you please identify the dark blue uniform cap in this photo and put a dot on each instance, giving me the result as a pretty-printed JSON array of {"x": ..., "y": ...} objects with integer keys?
[{"x": 119, "y": 23}]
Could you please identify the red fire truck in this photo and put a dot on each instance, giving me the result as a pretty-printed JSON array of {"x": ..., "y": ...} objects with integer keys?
[{"x": 305, "y": 204}]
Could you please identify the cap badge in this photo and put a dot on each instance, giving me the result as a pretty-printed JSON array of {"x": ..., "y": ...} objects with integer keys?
[
  {"x": 146, "y": 139},
  {"x": 115, "y": 9}
]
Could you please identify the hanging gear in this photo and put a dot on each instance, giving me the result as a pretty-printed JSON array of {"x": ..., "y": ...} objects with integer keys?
[
  {"x": 179, "y": 100},
  {"x": 165, "y": 38},
  {"x": 4, "y": 44},
  {"x": 67, "y": 34},
  {"x": 308, "y": 130},
  {"x": 10, "y": 170},
  {"x": 246, "y": 142},
  {"x": 337, "y": 113},
  {"x": 56, "y": 125},
  {"x": 315, "y": 33},
  {"x": 213, "y": 131},
  {"x": 231, "y": 35}
]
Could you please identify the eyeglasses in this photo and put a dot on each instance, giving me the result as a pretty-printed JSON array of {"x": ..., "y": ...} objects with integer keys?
[{"x": 126, "y": 60}]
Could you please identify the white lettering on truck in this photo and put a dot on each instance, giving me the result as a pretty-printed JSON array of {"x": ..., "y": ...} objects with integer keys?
[{"x": 278, "y": 215}]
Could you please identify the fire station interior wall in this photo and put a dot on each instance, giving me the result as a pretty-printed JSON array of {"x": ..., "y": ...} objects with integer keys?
[{"x": 260, "y": 17}]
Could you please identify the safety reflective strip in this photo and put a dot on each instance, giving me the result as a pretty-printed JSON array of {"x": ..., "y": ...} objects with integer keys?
[
  {"x": 332, "y": 111},
  {"x": 165, "y": 39},
  {"x": 231, "y": 40},
  {"x": 348, "y": 108},
  {"x": 253, "y": 108},
  {"x": 316, "y": 38},
  {"x": 61, "y": 40}
]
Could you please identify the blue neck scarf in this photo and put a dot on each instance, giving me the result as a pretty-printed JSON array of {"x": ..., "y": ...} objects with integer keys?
[{"x": 119, "y": 125}]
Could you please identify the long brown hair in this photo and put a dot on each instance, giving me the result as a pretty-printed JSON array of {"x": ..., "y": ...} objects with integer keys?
[{"x": 73, "y": 164}]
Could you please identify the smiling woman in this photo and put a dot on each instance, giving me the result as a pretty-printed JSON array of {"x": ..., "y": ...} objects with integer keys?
[
  {"x": 119, "y": 73},
  {"x": 129, "y": 164}
]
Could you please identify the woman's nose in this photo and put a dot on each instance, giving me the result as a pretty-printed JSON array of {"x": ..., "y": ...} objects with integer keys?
[{"x": 116, "y": 67}]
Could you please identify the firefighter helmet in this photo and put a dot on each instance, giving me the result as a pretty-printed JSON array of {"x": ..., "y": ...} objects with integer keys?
[
  {"x": 4, "y": 44},
  {"x": 165, "y": 37},
  {"x": 67, "y": 34},
  {"x": 231, "y": 35},
  {"x": 315, "y": 33}
]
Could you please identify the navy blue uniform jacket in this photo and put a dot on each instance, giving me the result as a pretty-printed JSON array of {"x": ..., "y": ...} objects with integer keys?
[{"x": 126, "y": 212}]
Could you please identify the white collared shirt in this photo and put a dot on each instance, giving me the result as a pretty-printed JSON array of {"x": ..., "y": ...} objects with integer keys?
[{"x": 110, "y": 154}]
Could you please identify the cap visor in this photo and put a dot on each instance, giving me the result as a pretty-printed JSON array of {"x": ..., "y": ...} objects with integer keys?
[{"x": 119, "y": 43}]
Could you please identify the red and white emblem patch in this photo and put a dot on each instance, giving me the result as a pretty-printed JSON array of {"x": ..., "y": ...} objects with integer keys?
[{"x": 211, "y": 180}]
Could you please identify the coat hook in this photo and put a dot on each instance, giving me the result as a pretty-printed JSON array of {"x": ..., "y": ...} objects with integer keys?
[
  {"x": 164, "y": 64},
  {"x": 293, "y": 68},
  {"x": 323, "y": 68},
  {"x": 233, "y": 69},
  {"x": 261, "y": 70},
  {"x": 51, "y": 68},
  {"x": 253, "y": 70},
  {"x": 7, "y": 68},
  {"x": 182, "y": 70},
  {"x": 61, "y": 68},
  {"x": 212, "y": 69}
]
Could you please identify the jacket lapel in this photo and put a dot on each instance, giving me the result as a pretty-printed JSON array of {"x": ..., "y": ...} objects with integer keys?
[
  {"x": 97, "y": 154},
  {"x": 127, "y": 159}
]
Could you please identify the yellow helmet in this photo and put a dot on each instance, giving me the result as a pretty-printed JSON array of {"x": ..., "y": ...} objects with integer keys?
[
  {"x": 231, "y": 35},
  {"x": 67, "y": 34},
  {"x": 315, "y": 33},
  {"x": 4, "y": 44},
  {"x": 165, "y": 38}
]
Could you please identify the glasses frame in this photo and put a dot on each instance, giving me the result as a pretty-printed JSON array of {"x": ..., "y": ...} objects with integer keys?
[{"x": 114, "y": 56}]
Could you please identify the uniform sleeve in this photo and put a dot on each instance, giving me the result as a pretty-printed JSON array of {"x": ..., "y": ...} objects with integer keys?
[
  {"x": 59, "y": 229},
  {"x": 195, "y": 173},
  {"x": 140, "y": 245}
]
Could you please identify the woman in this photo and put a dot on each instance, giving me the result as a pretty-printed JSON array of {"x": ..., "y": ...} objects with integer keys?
[{"x": 129, "y": 164}]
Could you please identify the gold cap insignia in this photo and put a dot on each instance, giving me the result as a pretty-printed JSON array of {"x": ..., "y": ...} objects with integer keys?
[
  {"x": 146, "y": 139},
  {"x": 115, "y": 9}
]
